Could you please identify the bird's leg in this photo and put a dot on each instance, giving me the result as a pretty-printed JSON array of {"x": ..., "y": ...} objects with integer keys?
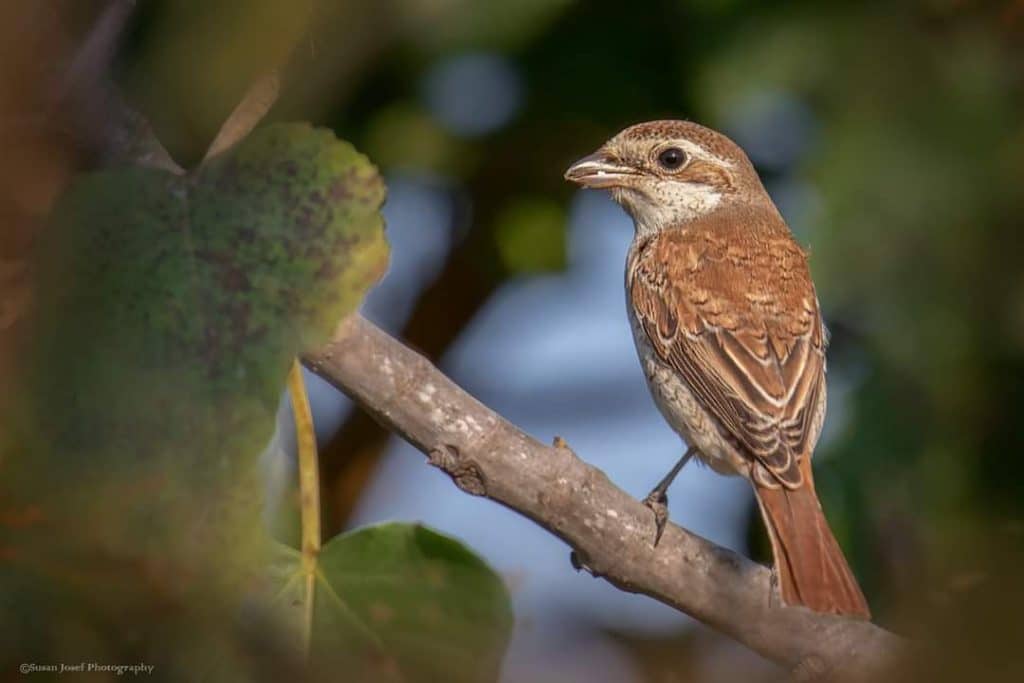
[{"x": 657, "y": 499}]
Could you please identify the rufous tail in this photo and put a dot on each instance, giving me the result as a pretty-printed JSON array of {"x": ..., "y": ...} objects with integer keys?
[{"x": 810, "y": 566}]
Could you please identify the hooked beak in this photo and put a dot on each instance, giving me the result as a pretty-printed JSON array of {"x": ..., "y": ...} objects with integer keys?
[{"x": 599, "y": 170}]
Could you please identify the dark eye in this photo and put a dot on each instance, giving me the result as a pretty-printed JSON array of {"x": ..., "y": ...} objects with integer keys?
[{"x": 672, "y": 159}]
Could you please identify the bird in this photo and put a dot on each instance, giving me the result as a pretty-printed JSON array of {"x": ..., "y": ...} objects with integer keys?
[{"x": 730, "y": 336}]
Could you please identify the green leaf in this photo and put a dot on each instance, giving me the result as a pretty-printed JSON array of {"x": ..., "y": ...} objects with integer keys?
[
  {"x": 224, "y": 274},
  {"x": 169, "y": 309},
  {"x": 401, "y": 602}
]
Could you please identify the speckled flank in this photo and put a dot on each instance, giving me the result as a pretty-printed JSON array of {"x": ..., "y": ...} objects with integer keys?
[{"x": 683, "y": 412}]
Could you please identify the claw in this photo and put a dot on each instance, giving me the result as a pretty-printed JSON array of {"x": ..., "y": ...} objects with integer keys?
[
  {"x": 657, "y": 503},
  {"x": 580, "y": 564},
  {"x": 657, "y": 500},
  {"x": 559, "y": 442},
  {"x": 774, "y": 591},
  {"x": 575, "y": 561}
]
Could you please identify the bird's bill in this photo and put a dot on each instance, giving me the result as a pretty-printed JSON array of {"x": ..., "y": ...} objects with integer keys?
[{"x": 599, "y": 170}]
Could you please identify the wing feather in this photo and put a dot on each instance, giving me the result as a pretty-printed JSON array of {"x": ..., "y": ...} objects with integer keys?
[{"x": 742, "y": 328}]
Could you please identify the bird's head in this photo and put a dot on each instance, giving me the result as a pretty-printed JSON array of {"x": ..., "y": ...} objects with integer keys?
[{"x": 665, "y": 173}]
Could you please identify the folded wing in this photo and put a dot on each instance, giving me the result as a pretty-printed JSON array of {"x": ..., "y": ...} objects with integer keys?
[{"x": 740, "y": 324}]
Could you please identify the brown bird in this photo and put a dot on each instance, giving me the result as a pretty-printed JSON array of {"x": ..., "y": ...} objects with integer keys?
[{"x": 729, "y": 332}]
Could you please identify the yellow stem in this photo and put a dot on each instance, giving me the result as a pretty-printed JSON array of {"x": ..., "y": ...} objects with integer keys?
[{"x": 309, "y": 492}]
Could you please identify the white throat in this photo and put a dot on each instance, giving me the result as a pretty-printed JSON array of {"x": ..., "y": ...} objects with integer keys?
[{"x": 671, "y": 203}]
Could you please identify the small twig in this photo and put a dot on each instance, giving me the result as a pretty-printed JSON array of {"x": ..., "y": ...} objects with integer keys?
[
  {"x": 609, "y": 530},
  {"x": 309, "y": 493}
]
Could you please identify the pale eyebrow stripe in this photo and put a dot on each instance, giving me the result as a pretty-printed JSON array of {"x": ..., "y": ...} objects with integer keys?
[{"x": 699, "y": 152}]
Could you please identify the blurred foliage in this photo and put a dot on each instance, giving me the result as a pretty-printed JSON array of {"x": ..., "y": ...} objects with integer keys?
[
  {"x": 39, "y": 157},
  {"x": 916, "y": 164},
  {"x": 529, "y": 237},
  {"x": 168, "y": 309},
  {"x": 399, "y": 602},
  {"x": 202, "y": 57},
  {"x": 405, "y": 137},
  {"x": 909, "y": 170}
]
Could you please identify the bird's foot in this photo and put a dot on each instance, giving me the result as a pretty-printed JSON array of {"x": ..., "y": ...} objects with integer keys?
[
  {"x": 580, "y": 563},
  {"x": 657, "y": 502},
  {"x": 559, "y": 442},
  {"x": 774, "y": 590},
  {"x": 657, "y": 499}
]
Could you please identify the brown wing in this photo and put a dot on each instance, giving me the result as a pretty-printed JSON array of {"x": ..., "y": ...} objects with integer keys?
[{"x": 729, "y": 304}]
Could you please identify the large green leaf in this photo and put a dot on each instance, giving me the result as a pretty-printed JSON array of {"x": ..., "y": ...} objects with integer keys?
[
  {"x": 400, "y": 602},
  {"x": 169, "y": 309}
]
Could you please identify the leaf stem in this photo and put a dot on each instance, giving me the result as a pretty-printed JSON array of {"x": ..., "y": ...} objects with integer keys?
[
  {"x": 250, "y": 111},
  {"x": 309, "y": 492}
]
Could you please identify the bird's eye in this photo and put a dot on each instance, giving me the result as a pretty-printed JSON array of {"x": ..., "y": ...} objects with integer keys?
[{"x": 672, "y": 159}]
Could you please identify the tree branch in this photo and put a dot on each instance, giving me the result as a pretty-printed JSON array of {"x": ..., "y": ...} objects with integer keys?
[{"x": 610, "y": 531}]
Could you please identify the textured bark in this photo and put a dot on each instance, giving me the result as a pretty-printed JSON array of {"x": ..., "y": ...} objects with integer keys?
[{"x": 610, "y": 532}]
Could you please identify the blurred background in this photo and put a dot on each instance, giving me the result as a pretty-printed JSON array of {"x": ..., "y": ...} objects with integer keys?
[{"x": 891, "y": 137}]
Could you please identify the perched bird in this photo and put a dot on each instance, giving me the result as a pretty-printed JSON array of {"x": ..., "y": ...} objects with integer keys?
[{"x": 729, "y": 333}]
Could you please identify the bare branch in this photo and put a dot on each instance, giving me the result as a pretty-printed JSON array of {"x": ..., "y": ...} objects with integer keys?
[{"x": 608, "y": 529}]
